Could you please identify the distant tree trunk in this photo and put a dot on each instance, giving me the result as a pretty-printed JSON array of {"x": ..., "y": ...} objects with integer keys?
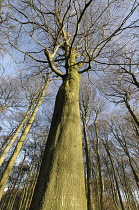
[
  {"x": 29, "y": 185},
  {"x": 8, "y": 201},
  {"x": 90, "y": 202},
  {"x": 111, "y": 185},
  {"x": 19, "y": 145},
  {"x": 131, "y": 201},
  {"x": 100, "y": 174},
  {"x": 12, "y": 140},
  {"x": 125, "y": 148},
  {"x": 115, "y": 177},
  {"x": 61, "y": 184}
]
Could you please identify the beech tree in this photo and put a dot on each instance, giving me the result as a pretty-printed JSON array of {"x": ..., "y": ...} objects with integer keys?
[
  {"x": 87, "y": 96},
  {"x": 69, "y": 38},
  {"x": 22, "y": 138}
]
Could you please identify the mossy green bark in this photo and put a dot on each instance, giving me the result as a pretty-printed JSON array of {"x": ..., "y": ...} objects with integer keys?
[{"x": 60, "y": 184}]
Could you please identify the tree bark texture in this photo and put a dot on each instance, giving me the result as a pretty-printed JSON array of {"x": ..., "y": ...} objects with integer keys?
[{"x": 60, "y": 184}]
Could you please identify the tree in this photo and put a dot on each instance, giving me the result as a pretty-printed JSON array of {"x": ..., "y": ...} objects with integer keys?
[
  {"x": 87, "y": 96},
  {"x": 72, "y": 35},
  {"x": 20, "y": 142},
  {"x": 121, "y": 85},
  {"x": 117, "y": 143},
  {"x": 12, "y": 140}
]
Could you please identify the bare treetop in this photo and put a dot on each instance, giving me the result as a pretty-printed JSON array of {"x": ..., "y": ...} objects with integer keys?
[{"x": 60, "y": 28}]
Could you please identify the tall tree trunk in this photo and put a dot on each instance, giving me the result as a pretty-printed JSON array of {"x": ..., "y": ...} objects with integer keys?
[
  {"x": 60, "y": 184},
  {"x": 115, "y": 177},
  {"x": 125, "y": 148},
  {"x": 112, "y": 195},
  {"x": 100, "y": 174},
  {"x": 90, "y": 202},
  {"x": 19, "y": 145}
]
